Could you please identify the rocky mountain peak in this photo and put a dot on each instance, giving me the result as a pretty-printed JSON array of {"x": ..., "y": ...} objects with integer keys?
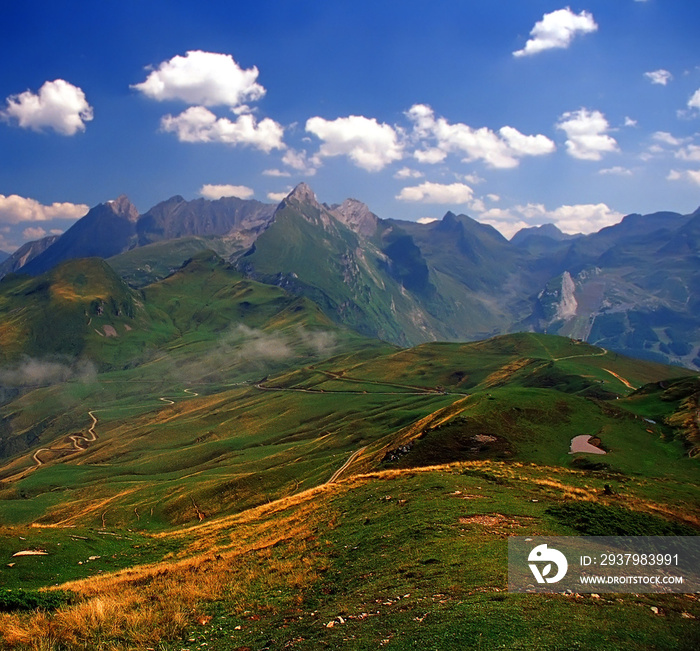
[
  {"x": 124, "y": 208},
  {"x": 356, "y": 216},
  {"x": 303, "y": 194}
]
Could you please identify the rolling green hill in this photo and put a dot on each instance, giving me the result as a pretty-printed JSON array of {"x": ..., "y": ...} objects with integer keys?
[
  {"x": 79, "y": 309},
  {"x": 199, "y": 414},
  {"x": 262, "y": 483}
]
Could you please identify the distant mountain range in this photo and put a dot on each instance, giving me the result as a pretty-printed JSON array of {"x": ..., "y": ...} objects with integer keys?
[{"x": 633, "y": 287}]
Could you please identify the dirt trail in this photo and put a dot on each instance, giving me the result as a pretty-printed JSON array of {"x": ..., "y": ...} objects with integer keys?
[
  {"x": 602, "y": 353},
  {"x": 619, "y": 377},
  {"x": 340, "y": 471},
  {"x": 80, "y": 441}
]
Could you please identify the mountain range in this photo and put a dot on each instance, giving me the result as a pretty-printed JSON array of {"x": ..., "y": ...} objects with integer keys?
[
  {"x": 200, "y": 442},
  {"x": 633, "y": 287}
]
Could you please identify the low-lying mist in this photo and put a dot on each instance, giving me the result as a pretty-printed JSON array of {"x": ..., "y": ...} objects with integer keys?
[{"x": 33, "y": 372}]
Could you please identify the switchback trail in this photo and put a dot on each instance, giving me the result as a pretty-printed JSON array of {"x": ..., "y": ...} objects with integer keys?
[
  {"x": 602, "y": 352},
  {"x": 80, "y": 442}
]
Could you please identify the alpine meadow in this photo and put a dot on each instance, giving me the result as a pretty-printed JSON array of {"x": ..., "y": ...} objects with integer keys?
[{"x": 263, "y": 415}]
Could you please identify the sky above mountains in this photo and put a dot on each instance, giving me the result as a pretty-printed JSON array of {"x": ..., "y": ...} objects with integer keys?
[{"x": 515, "y": 113}]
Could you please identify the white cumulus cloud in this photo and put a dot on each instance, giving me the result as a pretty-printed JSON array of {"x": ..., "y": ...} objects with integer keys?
[
  {"x": 431, "y": 155},
  {"x": 587, "y": 137},
  {"x": 689, "y": 153},
  {"x": 15, "y": 210},
  {"x": 59, "y": 105},
  {"x": 579, "y": 218},
  {"x": 209, "y": 191},
  {"x": 298, "y": 160},
  {"x": 277, "y": 173},
  {"x": 198, "y": 124},
  {"x": 408, "y": 173},
  {"x": 367, "y": 143},
  {"x": 660, "y": 77},
  {"x": 33, "y": 233},
  {"x": 278, "y": 196},
  {"x": 522, "y": 145},
  {"x": 556, "y": 30},
  {"x": 453, "y": 193},
  {"x": 694, "y": 101},
  {"x": 687, "y": 175},
  {"x": 666, "y": 138},
  {"x": 438, "y": 137},
  {"x": 202, "y": 78}
]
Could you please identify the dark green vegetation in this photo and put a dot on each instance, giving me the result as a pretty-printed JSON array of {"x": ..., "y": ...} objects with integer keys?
[
  {"x": 591, "y": 519},
  {"x": 265, "y": 471},
  {"x": 20, "y": 599}
]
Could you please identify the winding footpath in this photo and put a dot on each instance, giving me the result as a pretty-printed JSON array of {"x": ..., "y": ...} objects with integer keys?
[{"x": 80, "y": 442}]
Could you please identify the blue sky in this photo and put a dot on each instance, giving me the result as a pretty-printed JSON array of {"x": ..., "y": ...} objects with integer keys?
[{"x": 513, "y": 112}]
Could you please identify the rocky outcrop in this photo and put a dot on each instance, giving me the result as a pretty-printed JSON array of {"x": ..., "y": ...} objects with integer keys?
[{"x": 356, "y": 216}]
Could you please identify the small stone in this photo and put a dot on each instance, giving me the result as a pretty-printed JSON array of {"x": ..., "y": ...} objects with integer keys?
[
  {"x": 10, "y": 565},
  {"x": 330, "y": 625},
  {"x": 595, "y": 596},
  {"x": 655, "y": 610}
]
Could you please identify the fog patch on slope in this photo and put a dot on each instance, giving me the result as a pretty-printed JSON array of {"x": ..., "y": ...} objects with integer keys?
[
  {"x": 242, "y": 349},
  {"x": 251, "y": 344},
  {"x": 32, "y": 372}
]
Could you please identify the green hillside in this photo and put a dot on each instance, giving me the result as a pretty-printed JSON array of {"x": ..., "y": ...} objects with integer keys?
[
  {"x": 80, "y": 309},
  {"x": 310, "y": 253},
  {"x": 238, "y": 415},
  {"x": 263, "y": 472},
  {"x": 152, "y": 262}
]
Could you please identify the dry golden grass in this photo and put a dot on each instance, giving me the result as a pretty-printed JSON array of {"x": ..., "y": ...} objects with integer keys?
[
  {"x": 137, "y": 607},
  {"x": 505, "y": 372},
  {"x": 243, "y": 558},
  {"x": 687, "y": 418},
  {"x": 9, "y": 334}
]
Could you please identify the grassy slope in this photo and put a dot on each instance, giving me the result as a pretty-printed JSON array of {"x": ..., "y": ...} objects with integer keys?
[
  {"x": 397, "y": 560},
  {"x": 80, "y": 309},
  {"x": 147, "y": 264},
  {"x": 316, "y": 256},
  {"x": 195, "y": 431}
]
